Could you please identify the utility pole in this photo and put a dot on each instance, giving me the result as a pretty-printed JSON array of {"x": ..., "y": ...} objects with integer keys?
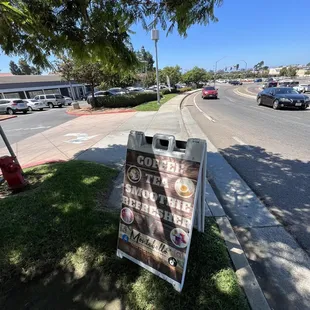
[
  {"x": 155, "y": 37},
  {"x": 216, "y": 68}
]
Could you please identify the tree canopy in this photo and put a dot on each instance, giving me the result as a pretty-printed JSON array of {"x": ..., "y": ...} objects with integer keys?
[
  {"x": 174, "y": 74},
  {"x": 195, "y": 75},
  {"x": 23, "y": 68},
  {"x": 96, "y": 29}
]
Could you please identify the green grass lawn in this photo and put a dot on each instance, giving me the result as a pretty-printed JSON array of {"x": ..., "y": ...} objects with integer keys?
[
  {"x": 152, "y": 105},
  {"x": 58, "y": 245}
]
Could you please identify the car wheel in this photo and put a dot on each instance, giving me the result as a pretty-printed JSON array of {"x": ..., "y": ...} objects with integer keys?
[
  {"x": 50, "y": 105},
  {"x": 275, "y": 105},
  {"x": 60, "y": 106},
  {"x": 10, "y": 111},
  {"x": 259, "y": 101},
  {"x": 303, "y": 107},
  {"x": 215, "y": 97},
  {"x": 25, "y": 112},
  {"x": 30, "y": 109},
  {"x": 41, "y": 109}
]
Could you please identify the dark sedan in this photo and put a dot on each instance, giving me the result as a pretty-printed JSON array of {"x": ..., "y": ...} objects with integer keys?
[{"x": 283, "y": 97}]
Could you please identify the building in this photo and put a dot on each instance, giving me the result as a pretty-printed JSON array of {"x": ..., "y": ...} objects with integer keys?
[
  {"x": 274, "y": 71},
  {"x": 28, "y": 86}
]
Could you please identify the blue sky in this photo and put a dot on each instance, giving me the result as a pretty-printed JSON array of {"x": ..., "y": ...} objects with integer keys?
[{"x": 275, "y": 31}]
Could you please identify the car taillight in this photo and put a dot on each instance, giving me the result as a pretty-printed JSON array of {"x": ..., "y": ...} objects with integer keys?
[{"x": 14, "y": 104}]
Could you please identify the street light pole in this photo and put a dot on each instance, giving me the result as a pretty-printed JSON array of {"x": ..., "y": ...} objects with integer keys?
[
  {"x": 155, "y": 37},
  {"x": 215, "y": 69}
]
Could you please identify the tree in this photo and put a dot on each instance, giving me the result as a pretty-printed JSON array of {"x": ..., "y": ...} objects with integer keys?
[
  {"x": 308, "y": 64},
  {"x": 66, "y": 67},
  {"x": 14, "y": 68},
  {"x": 174, "y": 74},
  {"x": 24, "y": 67},
  {"x": 237, "y": 67},
  {"x": 196, "y": 75},
  {"x": 91, "y": 29},
  {"x": 146, "y": 60},
  {"x": 89, "y": 73},
  {"x": 283, "y": 71},
  {"x": 307, "y": 72},
  {"x": 291, "y": 71}
]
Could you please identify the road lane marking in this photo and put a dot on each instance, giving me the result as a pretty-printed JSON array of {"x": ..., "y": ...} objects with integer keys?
[
  {"x": 34, "y": 128},
  {"x": 210, "y": 118},
  {"x": 242, "y": 143},
  {"x": 230, "y": 99}
]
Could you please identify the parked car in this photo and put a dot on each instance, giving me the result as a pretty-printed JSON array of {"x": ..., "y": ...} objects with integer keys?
[
  {"x": 288, "y": 83},
  {"x": 302, "y": 88},
  {"x": 68, "y": 100},
  {"x": 12, "y": 106},
  {"x": 118, "y": 91},
  {"x": 135, "y": 89},
  {"x": 258, "y": 80},
  {"x": 209, "y": 92},
  {"x": 51, "y": 100},
  {"x": 270, "y": 84},
  {"x": 282, "y": 97},
  {"x": 235, "y": 83},
  {"x": 34, "y": 105}
]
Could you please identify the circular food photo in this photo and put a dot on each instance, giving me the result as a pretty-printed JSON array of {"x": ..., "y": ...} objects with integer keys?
[
  {"x": 134, "y": 174},
  {"x": 172, "y": 261},
  {"x": 184, "y": 187},
  {"x": 179, "y": 237},
  {"x": 127, "y": 215}
]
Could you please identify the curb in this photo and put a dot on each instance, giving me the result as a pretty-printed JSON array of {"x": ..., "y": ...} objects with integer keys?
[
  {"x": 43, "y": 162},
  {"x": 99, "y": 113},
  {"x": 8, "y": 117},
  {"x": 245, "y": 275}
]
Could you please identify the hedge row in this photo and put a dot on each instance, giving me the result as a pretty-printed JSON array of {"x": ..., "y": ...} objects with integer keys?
[
  {"x": 174, "y": 91},
  {"x": 122, "y": 101}
]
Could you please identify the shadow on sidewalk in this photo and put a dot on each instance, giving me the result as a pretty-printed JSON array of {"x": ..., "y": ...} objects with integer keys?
[
  {"x": 283, "y": 185},
  {"x": 113, "y": 155}
]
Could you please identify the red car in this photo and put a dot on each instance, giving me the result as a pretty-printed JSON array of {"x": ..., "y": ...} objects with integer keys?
[{"x": 209, "y": 92}]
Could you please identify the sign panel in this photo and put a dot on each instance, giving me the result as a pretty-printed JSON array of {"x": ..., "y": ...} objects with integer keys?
[{"x": 157, "y": 214}]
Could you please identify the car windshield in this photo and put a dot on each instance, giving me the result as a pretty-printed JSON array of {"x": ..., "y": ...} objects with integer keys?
[
  {"x": 285, "y": 91},
  {"x": 59, "y": 96},
  {"x": 209, "y": 88}
]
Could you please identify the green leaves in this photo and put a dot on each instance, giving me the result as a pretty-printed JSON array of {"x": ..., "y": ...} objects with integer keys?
[{"x": 91, "y": 29}]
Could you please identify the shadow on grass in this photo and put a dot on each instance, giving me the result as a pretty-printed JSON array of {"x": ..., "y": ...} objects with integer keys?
[{"x": 57, "y": 251}]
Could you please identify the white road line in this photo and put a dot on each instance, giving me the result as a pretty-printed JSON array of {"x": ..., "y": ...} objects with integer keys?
[
  {"x": 230, "y": 99},
  {"x": 34, "y": 128},
  {"x": 242, "y": 143},
  {"x": 210, "y": 118}
]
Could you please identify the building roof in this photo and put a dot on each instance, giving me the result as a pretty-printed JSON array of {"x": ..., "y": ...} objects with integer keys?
[{"x": 8, "y": 79}]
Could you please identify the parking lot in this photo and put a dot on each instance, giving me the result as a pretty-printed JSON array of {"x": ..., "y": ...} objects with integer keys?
[{"x": 26, "y": 125}]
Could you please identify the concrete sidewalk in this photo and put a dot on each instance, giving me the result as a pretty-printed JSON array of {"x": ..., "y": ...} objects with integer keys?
[{"x": 101, "y": 138}]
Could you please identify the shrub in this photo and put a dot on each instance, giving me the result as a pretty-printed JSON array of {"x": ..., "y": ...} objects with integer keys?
[
  {"x": 184, "y": 89},
  {"x": 122, "y": 101}
]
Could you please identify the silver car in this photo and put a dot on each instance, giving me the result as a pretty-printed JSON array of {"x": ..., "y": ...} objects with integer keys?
[
  {"x": 51, "y": 100},
  {"x": 12, "y": 106},
  {"x": 34, "y": 105}
]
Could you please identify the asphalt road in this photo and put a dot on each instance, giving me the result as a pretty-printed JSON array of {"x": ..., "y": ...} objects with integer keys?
[
  {"x": 269, "y": 149},
  {"x": 27, "y": 125}
]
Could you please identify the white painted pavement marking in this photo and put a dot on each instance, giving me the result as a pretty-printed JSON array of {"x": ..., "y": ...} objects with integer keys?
[
  {"x": 33, "y": 128},
  {"x": 79, "y": 137},
  {"x": 242, "y": 143},
  {"x": 230, "y": 99},
  {"x": 210, "y": 118}
]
